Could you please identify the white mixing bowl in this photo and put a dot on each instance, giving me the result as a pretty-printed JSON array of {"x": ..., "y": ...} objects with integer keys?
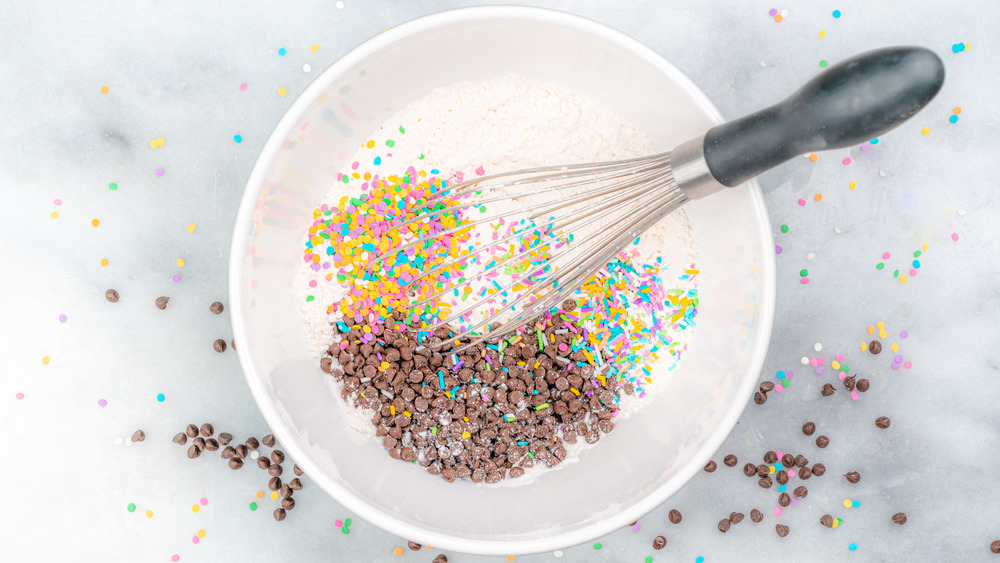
[{"x": 650, "y": 455}]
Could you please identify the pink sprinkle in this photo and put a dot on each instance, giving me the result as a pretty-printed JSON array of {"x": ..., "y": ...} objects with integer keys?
[
  {"x": 194, "y": 539},
  {"x": 175, "y": 557},
  {"x": 355, "y": 165},
  {"x": 821, "y": 361},
  {"x": 242, "y": 87},
  {"x": 102, "y": 403},
  {"x": 802, "y": 202},
  {"x": 854, "y": 395},
  {"x": 62, "y": 318},
  {"x": 312, "y": 283},
  {"x": 791, "y": 473},
  {"x": 913, "y": 272},
  {"x": 954, "y": 236},
  {"x": 780, "y": 454},
  {"x": 843, "y": 375},
  {"x": 20, "y": 396},
  {"x": 480, "y": 171},
  {"x": 563, "y": 347},
  {"x": 159, "y": 172},
  {"x": 636, "y": 528},
  {"x": 57, "y": 202},
  {"x": 337, "y": 523},
  {"x": 779, "y": 387},
  {"x": 795, "y": 501},
  {"x": 907, "y": 364},
  {"x": 486, "y": 399},
  {"x": 804, "y": 281},
  {"x": 203, "y": 501},
  {"x": 813, "y": 362},
  {"x": 177, "y": 278},
  {"x": 847, "y": 161},
  {"x": 840, "y": 357},
  {"x": 886, "y": 255},
  {"x": 777, "y": 511}
]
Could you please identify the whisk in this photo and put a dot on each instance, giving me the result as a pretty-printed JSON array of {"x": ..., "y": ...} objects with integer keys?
[{"x": 582, "y": 216}]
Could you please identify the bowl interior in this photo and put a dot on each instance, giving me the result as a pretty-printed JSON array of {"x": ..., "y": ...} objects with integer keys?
[{"x": 652, "y": 453}]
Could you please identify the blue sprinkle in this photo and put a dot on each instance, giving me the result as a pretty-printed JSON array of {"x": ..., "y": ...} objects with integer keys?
[
  {"x": 916, "y": 263},
  {"x": 282, "y": 51},
  {"x": 874, "y": 141},
  {"x": 953, "y": 119},
  {"x": 856, "y": 504},
  {"x": 836, "y": 13},
  {"x": 160, "y": 397},
  {"x": 958, "y": 47},
  {"x": 782, "y": 488},
  {"x": 699, "y": 559},
  {"x": 853, "y": 547},
  {"x": 239, "y": 138},
  {"x": 378, "y": 160},
  {"x": 777, "y": 466}
]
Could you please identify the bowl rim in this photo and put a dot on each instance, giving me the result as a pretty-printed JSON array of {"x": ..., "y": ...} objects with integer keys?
[{"x": 268, "y": 409}]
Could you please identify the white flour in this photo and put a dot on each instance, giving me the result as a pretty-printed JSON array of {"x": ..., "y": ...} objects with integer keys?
[{"x": 503, "y": 124}]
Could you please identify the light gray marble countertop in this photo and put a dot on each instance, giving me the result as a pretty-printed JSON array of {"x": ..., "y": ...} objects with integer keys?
[{"x": 173, "y": 70}]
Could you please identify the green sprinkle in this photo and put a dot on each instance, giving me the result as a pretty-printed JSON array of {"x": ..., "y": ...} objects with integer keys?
[
  {"x": 310, "y": 298},
  {"x": 253, "y": 506},
  {"x": 401, "y": 130},
  {"x": 803, "y": 272},
  {"x": 113, "y": 186},
  {"x": 345, "y": 531},
  {"x": 531, "y": 455},
  {"x": 390, "y": 143},
  {"x": 130, "y": 507},
  {"x": 917, "y": 254},
  {"x": 784, "y": 228},
  {"x": 541, "y": 341},
  {"x": 434, "y": 430},
  {"x": 542, "y": 406},
  {"x": 421, "y": 157},
  {"x": 823, "y": 64},
  {"x": 895, "y": 274},
  {"x": 879, "y": 266},
  {"x": 347, "y": 522},
  {"x": 649, "y": 559},
  {"x": 598, "y": 546}
]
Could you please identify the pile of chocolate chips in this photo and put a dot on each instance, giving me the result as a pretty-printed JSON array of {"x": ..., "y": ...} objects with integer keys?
[
  {"x": 204, "y": 439},
  {"x": 487, "y": 413}
]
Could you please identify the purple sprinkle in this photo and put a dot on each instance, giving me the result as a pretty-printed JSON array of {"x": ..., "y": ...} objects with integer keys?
[
  {"x": 636, "y": 528},
  {"x": 777, "y": 249},
  {"x": 177, "y": 278},
  {"x": 904, "y": 334},
  {"x": 159, "y": 172},
  {"x": 772, "y": 12},
  {"x": 894, "y": 365},
  {"x": 795, "y": 501},
  {"x": 819, "y": 370},
  {"x": 898, "y": 358},
  {"x": 102, "y": 403},
  {"x": 62, "y": 318},
  {"x": 864, "y": 147}
]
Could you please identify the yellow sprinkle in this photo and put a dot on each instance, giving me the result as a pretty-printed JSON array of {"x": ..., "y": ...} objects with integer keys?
[
  {"x": 407, "y": 414},
  {"x": 847, "y": 503},
  {"x": 180, "y": 262},
  {"x": 895, "y": 347},
  {"x": 201, "y": 533},
  {"x": 104, "y": 261},
  {"x": 55, "y": 215},
  {"x": 45, "y": 361},
  {"x": 835, "y": 364},
  {"x": 902, "y": 279},
  {"x": 282, "y": 91},
  {"x": 371, "y": 145},
  {"x": 834, "y": 524},
  {"x": 195, "y": 508},
  {"x": 149, "y": 514},
  {"x": 314, "y": 48},
  {"x": 191, "y": 228},
  {"x": 392, "y": 410},
  {"x": 692, "y": 272},
  {"x": 771, "y": 470},
  {"x": 274, "y": 495},
  {"x": 822, "y": 33},
  {"x": 104, "y": 90},
  {"x": 465, "y": 418},
  {"x": 466, "y": 435},
  {"x": 95, "y": 222},
  {"x": 881, "y": 334},
  {"x": 925, "y": 131},
  {"x": 575, "y": 392},
  {"x": 864, "y": 346},
  {"x": 853, "y": 185}
]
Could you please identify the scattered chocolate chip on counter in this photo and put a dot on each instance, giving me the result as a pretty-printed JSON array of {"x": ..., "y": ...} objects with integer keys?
[
  {"x": 225, "y": 438},
  {"x": 724, "y": 525},
  {"x": 784, "y": 500},
  {"x": 442, "y": 558},
  {"x": 191, "y": 430},
  {"x": 659, "y": 542},
  {"x": 849, "y": 382},
  {"x": 818, "y": 469},
  {"x": 750, "y": 470},
  {"x": 138, "y": 436},
  {"x": 805, "y": 473},
  {"x": 759, "y": 398},
  {"x": 875, "y": 347},
  {"x": 264, "y": 462},
  {"x": 278, "y": 456},
  {"x": 781, "y": 529},
  {"x": 852, "y": 476},
  {"x": 899, "y": 518},
  {"x": 756, "y": 516},
  {"x": 268, "y": 440},
  {"x": 995, "y": 546},
  {"x": 882, "y": 422},
  {"x": 211, "y": 444},
  {"x": 161, "y": 302},
  {"x": 763, "y": 470},
  {"x": 193, "y": 451},
  {"x": 863, "y": 385},
  {"x": 279, "y": 514},
  {"x": 235, "y": 462},
  {"x": 788, "y": 460},
  {"x": 730, "y": 460},
  {"x": 414, "y": 546},
  {"x": 252, "y": 443},
  {"x": 800, "y": 492},
  {"x": 219, "y": 345},
  {"x": 808, "y": 428},
  {"x": 826, "y": 520},
  {"x": 766, "y": 387},
  {"x": 674, "y": 516},
  {"x": 207, "y": 430},
  {"x": 828, "y": 389},
  {"x": 765, "y": 482},
  {"x": 112, "y": 295},
  {"x": 736, "y": 517},
  {"x": 288, "y": 503},
  {"x": 710, "y": 466},
  {"x": 822, "y": 442},
  {"x": 295, "y": 484},
  {"x": 180, "y": 438},
  {"x": 770, "y": 457},
  {"x": 781, "y": 477},
  {"x": 297, "y": 470},
  {"x": 216, "y": 308}
]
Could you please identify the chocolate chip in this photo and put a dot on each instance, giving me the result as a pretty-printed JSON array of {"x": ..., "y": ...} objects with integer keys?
[
  {"x": 252, "y": 443},
  {"x": 263, "y": 462},
  {"x": 756, "y": 516},
  {"x": 784, "y": 499},
  {"x": 297, "y": 470},
  {"x": 193, "y": 451},
  {"x": 724, "y": 525},
  {"x": 763, "y": 470},
  {"x": 759, "y": 398},
  {"x": 805, "y": 473},
  {"x": 800, "y": 492},
  {"x": 828, "y": 389},
  {"x": 766, "y": 387},
  {"x": 414, "y": 546},
  {"x": 849, "y": 382},
  {"x": 808, "y": 428},
  {"x": 219, "y": 345},
  {"x": 279, "y": 514},
  {"x": 295, "y": 484},
  {"x": 674, "y": 516},
  {"x": 735, "y": 517},
  {"x": 112, "y": 295},
  {"x": 180, "y": 438},
  {"x": 207, "y": 430},
  {"x": 211, "y": 444},
  {"x": 899, "y": 518},
  {"x": 659, "y": 542},
  {"x": 161, "y": 302},
  {"x": 288, "y": 503},
  {"x": 818, "y": 469},
  {"x": 770, "y": 457},
  {"x": 278, "y": 456},
  {"x": 191, "y": 430},
  {"x": 138, "y": 436},
  {"x": 826, "y": 520},
  {"x": 274, "y": 483},
  {"x": 233, "y": 344},
  {"x": 863, "y": 385},
  {"x": 285, "y": 490},
  {"x": 874, "y": 347},
  {"x": 235, "y": 463},
  {"x": 268, "y": 440},
  {"x": 822, "y": 442},
  {"x": 781, "y": 477},
  {"x": 274, "y": 470},
  {"x": 216, "y": 308},
  {"x": 781, "y": 529},
  {"x": 710, "y": 466},
  {"x": 852, "y": 476},
  {"x": 442, "y": 558},
  {"x": 788, "y": 460},
  {"x": 749, "y": 470},
  {"x": 730, "y": 460},
  {"x": 801, "y": 461},
  {"x": 225, "y": 438},
  {"x": 765, "y": 482},
  {"x": 882, "y": 422},
  {"x": 199, "y": 443},
  {"x": 241, "y": 451},
  {"x": 995, "y": 546},
  {"x": 228, "y": 452}
]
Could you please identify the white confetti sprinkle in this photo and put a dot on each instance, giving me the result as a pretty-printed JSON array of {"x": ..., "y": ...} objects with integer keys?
[
  {"x": 881, "y": 173},
  {"x": 818, "y": 347},
  {"x": 128, "y": 441},
  {"x": 306, "y": 68},
  {"x": 810, "y": 256},
  {"x": 961, "y": 213},
  {"x": 763, "y": 64},
  {"x": 784, "y": 13},
  {"x": 254, "y": 454},
  {"x": 118, "y": 441},
  {"x": 339, "y": 5},
  {"x": 804, "y": 361},
  {"x": 558, "y": 553},
  {"x": 836, "y": 230}
]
